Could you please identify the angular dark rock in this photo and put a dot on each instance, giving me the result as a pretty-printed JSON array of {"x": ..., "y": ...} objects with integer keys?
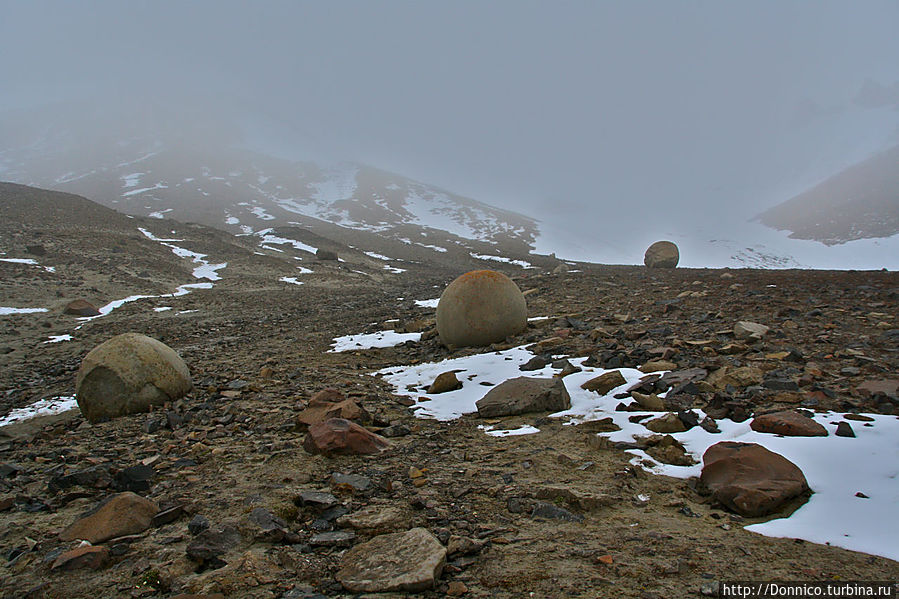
[
  {"x": 117, "y": 516},
  {"x": 749, "y": 479},
  {"x": 337, "y": 436},
  {"x": 522, "y": 395},
  {"x": 788, "y": 423},
  {"x": 605, "y": 382}
]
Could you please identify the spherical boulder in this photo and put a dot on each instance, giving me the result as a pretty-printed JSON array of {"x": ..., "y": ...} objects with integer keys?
[
  {"x": 127, "y": 374},
  {"x": 479, "y": 308},
  {"x": 661, "y": 254}
]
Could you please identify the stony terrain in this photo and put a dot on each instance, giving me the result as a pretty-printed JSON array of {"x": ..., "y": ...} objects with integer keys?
[{"x": 557, "y": 514}]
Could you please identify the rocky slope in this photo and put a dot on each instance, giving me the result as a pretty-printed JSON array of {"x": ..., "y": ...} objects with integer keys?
[
  {"x": 559, "y": 513},
  {"x": 165, "y": 173},
  {"x": 860, "y": 202}
]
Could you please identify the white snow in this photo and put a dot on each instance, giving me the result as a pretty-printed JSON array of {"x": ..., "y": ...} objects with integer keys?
[
  {"x": 141, "y": 159},
  {"x": 53, "y": 405},
  {"x": 58, "y": 338},
  {"x": 29, "y": 262},
  {"x": 377, "y": 256},
  {"x": 431, "y": 303},
  {"x": 231, "y": 220},
  {"x": 292, "y": 280},
  {"x": 268, "y": 238},
  {"x": 731, "y": 243},
  {"x": 131, "y": 180},
  {"x": 5, "y": 311},
  {"x": 520, "y": 263},
  {"x": 836, "y": 467},
  {"x": 521, "y": 430},
  {"x": 144, "y": 190},
  {"x": 160, "y": 213},
  {"x": 260, "y": 213},
  {"x": 371, "y": 340},
  {"x": 205, "y": 270},
  {"x": 394, "y": 269}
]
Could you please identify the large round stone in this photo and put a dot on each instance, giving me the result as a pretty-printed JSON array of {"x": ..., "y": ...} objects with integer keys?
[
  {"x": 479, "y": 308},
  {"x": 127, "y": 374},
  {"x": 661, "y": 254}
]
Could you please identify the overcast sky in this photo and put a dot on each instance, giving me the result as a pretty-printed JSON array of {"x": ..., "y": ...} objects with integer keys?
[{"x": 530, "y": 105}]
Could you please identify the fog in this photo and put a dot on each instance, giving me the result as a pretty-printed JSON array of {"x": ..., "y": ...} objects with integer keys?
[{"x": 556, "y": 109}]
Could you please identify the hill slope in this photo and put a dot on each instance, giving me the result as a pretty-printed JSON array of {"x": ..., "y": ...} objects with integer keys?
[{"x": 860, "y": 202}]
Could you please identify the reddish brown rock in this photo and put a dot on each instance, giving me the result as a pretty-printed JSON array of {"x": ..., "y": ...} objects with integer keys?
[
  {"x": 879, "y": 387},
  {"x": 80, "y": 307},
  {"x": 338, "y": 436},
  {"x": 330, "y": 403},
  {"x": 605, "y": 382},
  {"x": 328, "y": 394},
  {"x": 788, "y": 423},
  {"x": 749, "y": 479},
  {"x": 82, "y": 557},
  {"x": 445, "y": 381},
  {"x": 119, "y": 515}
]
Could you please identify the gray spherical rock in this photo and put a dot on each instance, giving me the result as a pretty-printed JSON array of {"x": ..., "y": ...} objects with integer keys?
[
  {"x": 479, "y": 308},
  {"x": 661, "y": 254},
  {"x": 128, "y": 374}
]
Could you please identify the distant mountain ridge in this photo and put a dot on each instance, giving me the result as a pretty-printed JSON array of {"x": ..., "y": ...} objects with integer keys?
[
  {"x": 860, "y": 202},
  {"x": 244, "y": 192}
]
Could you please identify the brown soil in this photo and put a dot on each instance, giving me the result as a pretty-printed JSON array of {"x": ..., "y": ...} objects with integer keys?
[{"x": 245, "y": 450}]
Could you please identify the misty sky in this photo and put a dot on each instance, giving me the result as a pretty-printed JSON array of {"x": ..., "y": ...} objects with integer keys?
[{"x": 542, "y": 106}]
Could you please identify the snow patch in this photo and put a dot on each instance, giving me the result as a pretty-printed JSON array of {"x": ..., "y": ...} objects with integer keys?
[
  {"x": 371, "y": 340},
  {"x": 836, "y": 467},
  {"x": 42, "y": 407},
  {"x": 5, "y": 311}
]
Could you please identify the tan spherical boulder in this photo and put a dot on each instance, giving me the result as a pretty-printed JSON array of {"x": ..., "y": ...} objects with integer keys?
[
  {"x": 128, "y": 374},
  {"x": 479, "y": 308},
  {"x": 661, "y": 254}
]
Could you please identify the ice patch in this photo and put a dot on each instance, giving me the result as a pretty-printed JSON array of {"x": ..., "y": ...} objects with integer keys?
[
  {"x": 261, "y": 213},
  {"x": 144, "y": 190},
  {"x": 160, "y": 213},
  {"x": 42, "y": 407},
  {"x": 377, "y": 256},
  {"x": 29, "y": 262},
  {"x": 520, "y": 263},
  {"x": 5, "y": 311},
  {"x": 268, "y": 238},
  {"x": 836, "y": 467},
  {"x": 131, "y": 180},
  {"x": 371, "y": 340},
  {"x": 431, "y": 303},
  {"x": 521, "y": 430}
]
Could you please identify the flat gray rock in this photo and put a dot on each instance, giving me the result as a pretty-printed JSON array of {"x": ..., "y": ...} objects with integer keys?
[
  {"x": 524, "y": 394},
  {"x": 403, "y": 561}
]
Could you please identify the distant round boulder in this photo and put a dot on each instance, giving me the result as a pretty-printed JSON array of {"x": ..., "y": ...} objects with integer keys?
[
  {"x": 127, "y": 374},
  {"x": 661, "y": 254},
  {"x": 80, "y": 307},
  {"x": 479, "y": 308}
]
